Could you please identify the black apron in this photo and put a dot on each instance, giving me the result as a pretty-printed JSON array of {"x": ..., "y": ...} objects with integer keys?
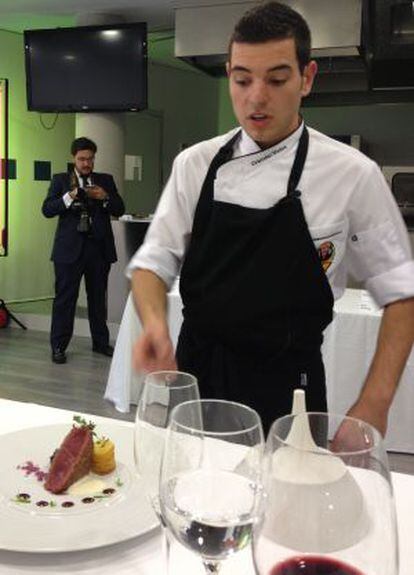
[{"x": 256, "y": 299}]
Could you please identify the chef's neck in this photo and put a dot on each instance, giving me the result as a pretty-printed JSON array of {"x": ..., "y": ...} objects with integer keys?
[{"x": 265, "y": 146}]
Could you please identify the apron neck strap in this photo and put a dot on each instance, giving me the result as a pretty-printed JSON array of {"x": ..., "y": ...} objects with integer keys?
[
  {"x": 299, "y": 162},
  {"x": 226, "y": 152},
  {"x": 203, "y": 208},
  {"x": 224, "y": 155}
]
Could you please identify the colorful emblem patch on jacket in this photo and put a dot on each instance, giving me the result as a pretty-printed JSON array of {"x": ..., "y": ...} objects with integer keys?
[{"x": 326, "y": 253}]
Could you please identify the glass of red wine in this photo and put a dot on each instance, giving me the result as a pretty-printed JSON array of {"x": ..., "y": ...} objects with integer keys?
[{"x": 329, "y": 500}]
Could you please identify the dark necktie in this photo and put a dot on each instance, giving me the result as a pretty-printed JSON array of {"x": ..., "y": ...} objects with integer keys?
[
  {"x": 85, "y": 182},
  {"x": 86, "y": 216}
]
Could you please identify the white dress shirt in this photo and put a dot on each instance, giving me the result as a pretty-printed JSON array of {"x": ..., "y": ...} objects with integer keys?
[
  {"x": 345, "y": 198},
  {"x": 67, "y": 198}
]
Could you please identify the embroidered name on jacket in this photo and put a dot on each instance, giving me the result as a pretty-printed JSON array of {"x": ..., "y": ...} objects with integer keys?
[{"x": 269, "y": 155}]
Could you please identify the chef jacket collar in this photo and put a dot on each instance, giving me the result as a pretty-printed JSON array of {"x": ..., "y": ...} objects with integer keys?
[{"x": 246, "y": 145}]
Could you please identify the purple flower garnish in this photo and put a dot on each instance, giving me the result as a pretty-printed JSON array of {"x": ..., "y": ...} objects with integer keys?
[{"x": 31, "y": 468}]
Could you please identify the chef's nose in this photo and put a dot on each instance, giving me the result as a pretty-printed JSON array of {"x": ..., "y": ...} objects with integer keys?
[{"x": 258, "y": 92}]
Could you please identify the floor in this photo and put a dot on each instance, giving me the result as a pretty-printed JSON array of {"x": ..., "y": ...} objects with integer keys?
[{"x": 27, "y": 374}]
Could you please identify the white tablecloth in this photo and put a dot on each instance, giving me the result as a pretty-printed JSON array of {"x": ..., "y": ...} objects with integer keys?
[
  {"x": 124, "y": 385},
  {"x": 348, "y": 349},
  {"x": 142, "y": 555},
  {"x": 139, "y": 556}
]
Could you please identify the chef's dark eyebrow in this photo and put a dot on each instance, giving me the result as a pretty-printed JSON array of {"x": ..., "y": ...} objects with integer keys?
[{"x": 280, "y": 68}]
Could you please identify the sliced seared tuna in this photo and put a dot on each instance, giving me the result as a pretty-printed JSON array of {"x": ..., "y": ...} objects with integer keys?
[{"x": 71, "y": 461}]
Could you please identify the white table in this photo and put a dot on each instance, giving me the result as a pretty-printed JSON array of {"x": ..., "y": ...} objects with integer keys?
[
  {"x": 124, "y": 386},
  {"x": 142, "y": 555},
  {"x": 139, "y": 556},
  {"x": 348, "y": 348}
]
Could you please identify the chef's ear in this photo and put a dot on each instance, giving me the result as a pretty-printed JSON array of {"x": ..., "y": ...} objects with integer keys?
[
  {"x": 308, "y": 77},
  {"x": 228, "y": 69}
]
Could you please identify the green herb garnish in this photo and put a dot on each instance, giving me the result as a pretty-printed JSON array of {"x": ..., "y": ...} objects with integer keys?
[
  {"x": 101, "y": 440},
  {"x": 83, "y": 423},
  {"x": 21, "y": 499}
]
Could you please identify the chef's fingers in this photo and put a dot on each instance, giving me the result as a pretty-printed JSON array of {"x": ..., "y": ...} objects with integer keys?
[{"x": 153, "y": 354}]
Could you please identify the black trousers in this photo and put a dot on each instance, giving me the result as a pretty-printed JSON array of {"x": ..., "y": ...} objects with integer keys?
[{"x": 93, "y": 266}]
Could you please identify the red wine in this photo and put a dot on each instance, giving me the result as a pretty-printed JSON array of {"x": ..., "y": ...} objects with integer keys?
[{"x": 313, "y": 565}]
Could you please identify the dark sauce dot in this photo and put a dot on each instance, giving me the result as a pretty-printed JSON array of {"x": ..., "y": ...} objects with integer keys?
[
  {"x": 42, "y": 503},
  {"x": 109, "y": 491},
  {"x": 23, "y": 496},
  {"x": 68, "y": 504},
  {"x": 88, "y": 500}
]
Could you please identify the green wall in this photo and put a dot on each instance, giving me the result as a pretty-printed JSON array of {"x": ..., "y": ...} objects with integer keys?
[
  {"x": 183, "y": 109},
  {"x": 226, "y": 117},
  {"x": 27, "y": 272},
  {"x": 144, "y": 138},
  {"x": 386, "y": 129}
]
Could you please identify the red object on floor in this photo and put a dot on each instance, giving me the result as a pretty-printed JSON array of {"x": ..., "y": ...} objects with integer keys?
[{"x": 4, "y": 315}]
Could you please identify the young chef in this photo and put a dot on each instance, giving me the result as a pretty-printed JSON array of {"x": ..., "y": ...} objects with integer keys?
[{"x": 263, "y": 225}]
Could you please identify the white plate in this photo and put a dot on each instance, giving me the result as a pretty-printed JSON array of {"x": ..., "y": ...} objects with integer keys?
[{"x": 108, "y": 519}]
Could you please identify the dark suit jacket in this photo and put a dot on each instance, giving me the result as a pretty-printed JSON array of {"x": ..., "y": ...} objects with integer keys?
[{"x": 68, "y": 241}]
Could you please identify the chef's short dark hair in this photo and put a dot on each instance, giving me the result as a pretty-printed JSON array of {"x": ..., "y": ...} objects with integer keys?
[
  {"x": 274, "y": 21},
  {"x": 82, "y": 144}
]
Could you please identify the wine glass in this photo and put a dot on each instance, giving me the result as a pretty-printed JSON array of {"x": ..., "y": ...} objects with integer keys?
[
  {"x": 163, "y": 390},
  {"x": 210, "y": 483},
  {"x": 330, "y": 507}
]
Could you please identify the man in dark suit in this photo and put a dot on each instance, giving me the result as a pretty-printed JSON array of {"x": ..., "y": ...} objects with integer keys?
[{"x": 83, "y": 246}]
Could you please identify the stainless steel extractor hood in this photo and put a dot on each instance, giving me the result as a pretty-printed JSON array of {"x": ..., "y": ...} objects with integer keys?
[{"x": 202, "y": 33}]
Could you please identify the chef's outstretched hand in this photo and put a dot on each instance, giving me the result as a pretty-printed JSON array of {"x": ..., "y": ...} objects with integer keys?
[
  {"x": 154, "y": 351},
  {"x": 376, "y": 415},
  {"x": 346, "y": 440}
]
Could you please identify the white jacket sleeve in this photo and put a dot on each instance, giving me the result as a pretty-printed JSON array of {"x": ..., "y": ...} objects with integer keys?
[
  {"x": 379, "y": 251},
  {"x": 169, "y": 233}
]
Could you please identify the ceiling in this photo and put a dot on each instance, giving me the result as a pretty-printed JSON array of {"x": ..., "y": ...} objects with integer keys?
[{"x": 17, "y": 15}]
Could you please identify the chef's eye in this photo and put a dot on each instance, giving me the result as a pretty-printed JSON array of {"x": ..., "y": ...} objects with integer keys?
[
  {"x": 277, "y": 81},
  {"x": 241, "y": 81}
]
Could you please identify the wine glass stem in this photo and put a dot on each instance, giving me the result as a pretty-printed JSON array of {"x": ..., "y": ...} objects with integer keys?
[
  {"x": 211, "y": 567},
  {"x": 165, "y": 537},
  {"x": 166, "y": 548}
]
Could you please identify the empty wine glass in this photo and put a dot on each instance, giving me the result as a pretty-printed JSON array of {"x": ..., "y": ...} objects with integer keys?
[
  {"x": 210, "y": 483},
  {"x": 330, "y": 507},
  {"x": 163, "y": 390}
]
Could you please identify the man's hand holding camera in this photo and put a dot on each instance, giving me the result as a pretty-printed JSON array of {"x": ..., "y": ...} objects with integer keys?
[
  {"x": 92, "y": 192},
  {"x": 96, "y": 193}
]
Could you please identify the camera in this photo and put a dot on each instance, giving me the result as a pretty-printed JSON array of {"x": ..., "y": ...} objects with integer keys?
[{"x": 80, "y": 204}]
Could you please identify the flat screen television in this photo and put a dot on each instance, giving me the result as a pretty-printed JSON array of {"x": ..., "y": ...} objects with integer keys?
[{"x": 87, "y": 68}]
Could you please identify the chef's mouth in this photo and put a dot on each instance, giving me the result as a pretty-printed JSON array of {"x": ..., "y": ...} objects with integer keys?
[{"x": 258, "y": 117}]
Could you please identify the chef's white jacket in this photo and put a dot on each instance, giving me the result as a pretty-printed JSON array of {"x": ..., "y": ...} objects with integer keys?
[{"x": 345, "y": 198}]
